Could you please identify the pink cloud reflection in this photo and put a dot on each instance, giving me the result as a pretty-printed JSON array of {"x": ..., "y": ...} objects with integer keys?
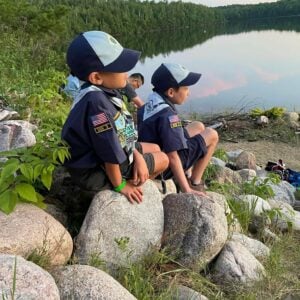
[
  {"x": 265, "y": 75},
  {"x": 215, "y": 85}
]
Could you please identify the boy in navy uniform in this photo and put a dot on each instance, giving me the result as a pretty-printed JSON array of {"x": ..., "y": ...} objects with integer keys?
[
  {"x": 188, "y": 148},
  {"x": 99, "y": 129}
]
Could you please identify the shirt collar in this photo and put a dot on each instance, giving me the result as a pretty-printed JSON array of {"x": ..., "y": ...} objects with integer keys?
[{"x": 166, "y": 99}]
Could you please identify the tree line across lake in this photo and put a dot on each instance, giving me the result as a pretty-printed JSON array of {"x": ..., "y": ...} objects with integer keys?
[{"x": 35, "y": 33}]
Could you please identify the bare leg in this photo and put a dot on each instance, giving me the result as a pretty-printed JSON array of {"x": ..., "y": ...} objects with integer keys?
[
  {"x": 195, "y": 128},
  {"x": 161, "y": 160},
  {"x": 211, "y": 139}
]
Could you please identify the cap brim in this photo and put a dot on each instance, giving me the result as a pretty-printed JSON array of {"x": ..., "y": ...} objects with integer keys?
[
  {"x": 125, "y": 62},
  {"x": 191, "y": 79}
]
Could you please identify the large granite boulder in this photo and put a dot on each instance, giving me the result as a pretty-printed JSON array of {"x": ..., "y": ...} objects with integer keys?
[
  {"x": 78, "y": 282},
  {"x": 287, "y": 218},
  {"x": 226, "y": 175},
  {"x": 182, "y": 292},
  {"x": 284, "y": 192},
  {"x": 236, "y": 264},
  {"x": 247, "y": 174},
  {"x": 246, "y": 160},
  {"x": 31, "y": 281},
  {"x": 29, "y": 229},
  {"x": 195, "y": 228},
  {"x": 116, "y": 229},
  {"x": 233, "y": 155},
  {"x": 256, "y": 204},
  {"x": 255, "y": 247}
]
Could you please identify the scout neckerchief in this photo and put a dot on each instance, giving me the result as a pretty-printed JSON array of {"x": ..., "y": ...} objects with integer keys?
[
  {"x": 154, "y": 105},
  {"x": 125, "y": 127},
  {"x": 123, "y": 121}
]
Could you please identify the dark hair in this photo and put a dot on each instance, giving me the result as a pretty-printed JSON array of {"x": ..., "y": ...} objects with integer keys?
[
  {"x": 137, "y": 76},
  {"x": 160, "y": 91}
]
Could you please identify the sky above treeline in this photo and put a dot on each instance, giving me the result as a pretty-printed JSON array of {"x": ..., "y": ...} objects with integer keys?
[{"x": 214, "y": 3}]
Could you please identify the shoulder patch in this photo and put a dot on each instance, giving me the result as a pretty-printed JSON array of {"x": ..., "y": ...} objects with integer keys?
[
  {"x": 100, "y": 122},
  {"x": 174, "y": 121}
]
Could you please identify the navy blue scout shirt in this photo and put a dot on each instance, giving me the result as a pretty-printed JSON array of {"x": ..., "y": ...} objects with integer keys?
[
  {"x": 159, "y": 123},
  {"x": 91, "y": 130}
]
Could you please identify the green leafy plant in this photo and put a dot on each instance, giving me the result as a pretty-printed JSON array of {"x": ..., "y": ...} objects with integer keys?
[
  {"x": 272, "y": 113},
  {"x": 27, "y": 172},
  {"x": 210, "y": 172},
  {"x": 96, "y": 261},
  {"x": 122, "y": 243},
  {"x": 221, "y": 154},
  {"x": 260, "y": 189},
  {"x": 242, "y": 211}
]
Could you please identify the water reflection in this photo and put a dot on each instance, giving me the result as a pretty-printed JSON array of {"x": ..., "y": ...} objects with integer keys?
[{"x": 244, "y": 65}]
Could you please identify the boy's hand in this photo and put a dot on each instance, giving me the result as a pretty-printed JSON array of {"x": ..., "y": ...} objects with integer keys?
[
  {"x": 133, "y": 193},
  {"x": 198, "y": 193},
  {"x": 140, "y": 170}
]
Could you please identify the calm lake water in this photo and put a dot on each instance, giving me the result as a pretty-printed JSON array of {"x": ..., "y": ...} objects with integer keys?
[{"x": 253, "y": 68}]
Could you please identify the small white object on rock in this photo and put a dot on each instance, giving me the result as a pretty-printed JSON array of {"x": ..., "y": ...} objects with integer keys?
[{"x": 262, "y": 120}]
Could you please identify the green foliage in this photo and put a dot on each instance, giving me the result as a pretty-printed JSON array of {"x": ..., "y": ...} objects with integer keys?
[
  {"x": 226, "y": 189},
  {"x": 258, "y": 188},
  {"x": 40, "y": 258},
  {"x": 242, "y": 211},
  {"x": 122, "y": 243},
  {"x": 141, "y": 278},
  {"x": 221, "y": 154},
  {"x": 26, "y": 173},
  {"x": 96, "y": 261},
  {"x": 281, "y": 8},
  {"x": 272, "y": 113},
  {"x": 210, "y": 172}
]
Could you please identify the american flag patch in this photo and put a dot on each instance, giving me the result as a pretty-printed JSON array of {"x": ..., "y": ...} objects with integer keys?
[
  {"x": 99, "y": 119},
  {"x": 174, "y": 121}
]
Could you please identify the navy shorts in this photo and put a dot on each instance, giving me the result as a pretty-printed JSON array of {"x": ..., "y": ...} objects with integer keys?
[
  {"x": 196, "y": 150},
  {"x": 94, "y": 179}
]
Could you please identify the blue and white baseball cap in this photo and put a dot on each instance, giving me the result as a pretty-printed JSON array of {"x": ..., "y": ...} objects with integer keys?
[
  {"x": 96, "y": 51},
  {"x": 172, "y": 75}
]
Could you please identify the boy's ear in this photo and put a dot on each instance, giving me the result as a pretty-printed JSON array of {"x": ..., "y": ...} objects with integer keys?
[
  {"x": 95, "y": 78},
  {"x": 169, "y": 92}
]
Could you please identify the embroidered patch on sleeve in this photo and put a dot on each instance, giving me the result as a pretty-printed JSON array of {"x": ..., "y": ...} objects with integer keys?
[
  {"x": 175, "y": 121},
  {"x": 100, "y": 122}
]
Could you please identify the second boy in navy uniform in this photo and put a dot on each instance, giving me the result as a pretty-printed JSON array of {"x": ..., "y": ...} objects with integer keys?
[
  {"x": 99, "y": 129},
  {"x": 188, "y": 148}
]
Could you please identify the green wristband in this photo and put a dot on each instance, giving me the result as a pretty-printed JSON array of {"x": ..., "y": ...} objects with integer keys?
[{"x": 120, "y": 187}]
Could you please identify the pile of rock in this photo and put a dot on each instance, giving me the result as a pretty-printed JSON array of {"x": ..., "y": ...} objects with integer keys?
[{"x": 194, "y": 229}]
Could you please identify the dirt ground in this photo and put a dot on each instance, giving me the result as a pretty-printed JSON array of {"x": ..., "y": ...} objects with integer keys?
[{"x": 267, "y": 150}]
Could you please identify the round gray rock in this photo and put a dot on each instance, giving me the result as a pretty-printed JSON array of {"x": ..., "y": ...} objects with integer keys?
[
  {"x": 28, "y": 229},
  {"x": 79, "y": 282},
  {"x": 32, "y": 282},
  {"x": 236, "y": 264},
  {"x": 257, "y": 248},
  {"x": 112, "y": 221},
  {"x": 246, "y": 160},
  {"x": 195, "y": 228}
]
